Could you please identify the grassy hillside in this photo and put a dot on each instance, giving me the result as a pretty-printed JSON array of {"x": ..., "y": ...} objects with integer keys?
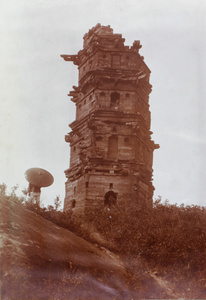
[
  {"x": 158, "y": 254},
  {"x": 40, "y": 260}
]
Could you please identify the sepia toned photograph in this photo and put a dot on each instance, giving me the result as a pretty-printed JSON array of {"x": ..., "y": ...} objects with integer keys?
[{"x": 103, "y": 149}]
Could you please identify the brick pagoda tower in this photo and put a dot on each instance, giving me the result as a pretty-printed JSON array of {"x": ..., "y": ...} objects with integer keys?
[{"x": 111, "y": 147}]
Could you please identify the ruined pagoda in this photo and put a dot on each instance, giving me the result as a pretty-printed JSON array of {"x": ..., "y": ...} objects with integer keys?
[{"x": 111, "y": 148}]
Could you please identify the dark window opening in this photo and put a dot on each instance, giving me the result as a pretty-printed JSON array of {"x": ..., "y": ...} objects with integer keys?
[
  {"x": 114, "y": 100},
  {"x": 127, "y": 57},
  {"x": 73, "y": 203},
  {"x": 114, "y": 129},
  {"x": 86, "y": 184},
  {"x": 85, "y": 101},
  {"x": 111, "y": 185},
  {"x": 102, "y": 94},
  {"x": 99, "y": 138},
  {"x": 74, "y": 148},
  {"x": 113, "y": 147},
  {"x": 127, "y": 95},
  {"x": 126, "y": 140},
  {"x": 104, "y": 56},
  {"x": 110, "y": 198}
]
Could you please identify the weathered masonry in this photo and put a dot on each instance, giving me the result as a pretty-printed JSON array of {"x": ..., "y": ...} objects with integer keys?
[{"x": 111, "y": 147}]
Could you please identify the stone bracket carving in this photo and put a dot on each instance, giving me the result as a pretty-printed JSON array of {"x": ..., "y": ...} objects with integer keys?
[{"x": 74, "y": 58}]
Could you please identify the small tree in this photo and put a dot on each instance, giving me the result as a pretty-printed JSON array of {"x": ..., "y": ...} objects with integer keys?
[
  {"x": 57, "y": 203},
  {"x": 3, "y": 189}
]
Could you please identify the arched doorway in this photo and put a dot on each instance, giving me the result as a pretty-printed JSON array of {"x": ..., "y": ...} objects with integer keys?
[{"x": 110, "y": 198}]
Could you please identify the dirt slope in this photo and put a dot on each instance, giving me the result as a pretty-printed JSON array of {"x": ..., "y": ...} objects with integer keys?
[{"x": 40, "y": 260}]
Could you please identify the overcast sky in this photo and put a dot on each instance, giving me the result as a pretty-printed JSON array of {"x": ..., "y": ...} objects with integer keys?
[{"x": 35, "y": 80}]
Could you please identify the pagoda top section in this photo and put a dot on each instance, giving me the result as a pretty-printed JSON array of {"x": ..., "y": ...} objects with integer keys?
[
  {"x": 97, "y": 30},
  {"x": 101, "y": 38}
]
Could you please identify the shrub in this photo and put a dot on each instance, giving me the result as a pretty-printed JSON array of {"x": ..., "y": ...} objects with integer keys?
[{"x": 166, "y": 237}]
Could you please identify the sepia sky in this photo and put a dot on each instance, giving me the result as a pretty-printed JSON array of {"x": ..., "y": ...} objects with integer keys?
[{"x": 35, "y": 109}]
